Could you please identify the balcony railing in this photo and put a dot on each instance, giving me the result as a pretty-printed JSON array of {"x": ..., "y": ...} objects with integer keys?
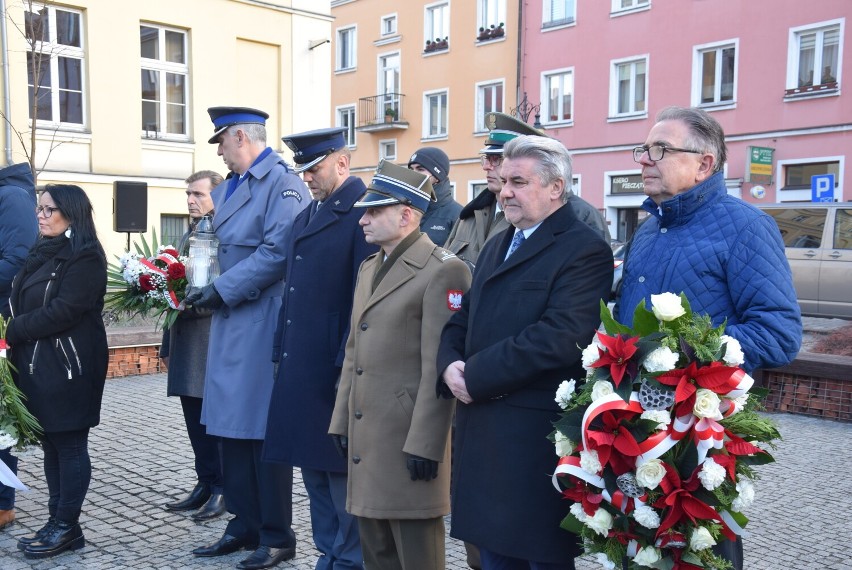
[{"x": 382, "y": 112}]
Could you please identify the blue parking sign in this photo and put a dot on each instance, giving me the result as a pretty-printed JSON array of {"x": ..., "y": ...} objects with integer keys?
[{"x": 822, "y": 188}]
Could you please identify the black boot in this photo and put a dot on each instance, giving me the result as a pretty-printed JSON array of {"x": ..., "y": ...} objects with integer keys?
[
  {"x": 213, "y": 508},
  {"x": 62, "y": 536},
  {"x": 197, "y": 497},
  {"x": 25, "y": 541}
]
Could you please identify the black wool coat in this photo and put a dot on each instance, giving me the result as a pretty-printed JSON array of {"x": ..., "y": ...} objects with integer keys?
[
  {"x": 520, "y": 331},
  {"x": 58, "y": 341}
]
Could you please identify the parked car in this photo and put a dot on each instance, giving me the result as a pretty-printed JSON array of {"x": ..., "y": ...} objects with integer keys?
[
  {"x": 818, "y": 240},
  {"x": 618, "y": 265}
]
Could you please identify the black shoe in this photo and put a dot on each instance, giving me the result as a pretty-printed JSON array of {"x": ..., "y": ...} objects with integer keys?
[
  {"x": 25, "y": 541},
  {"x": 212, "y": 509},
  {"x": 225, "y": 545},
  {"x": 61, "y": 536},
  {"x": 267, "y": 557},
  {"x": 197, "y": 497}
]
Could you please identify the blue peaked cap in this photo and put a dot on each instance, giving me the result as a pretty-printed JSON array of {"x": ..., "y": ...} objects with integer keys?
[
  {"x": 224, "y": 117},
  {"x": 311, "y": 147}
]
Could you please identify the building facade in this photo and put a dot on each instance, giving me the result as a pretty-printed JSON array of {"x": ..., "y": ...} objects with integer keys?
[
  {"x": 423, "y": 73},
  {"x": 120, "y": 92},
  {"x": 770, "y": 71}
]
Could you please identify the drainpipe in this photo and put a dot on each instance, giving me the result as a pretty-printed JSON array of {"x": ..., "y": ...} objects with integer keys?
[
  {"x": 520, "y": 51},
  {"x": 7, "y": 102}
]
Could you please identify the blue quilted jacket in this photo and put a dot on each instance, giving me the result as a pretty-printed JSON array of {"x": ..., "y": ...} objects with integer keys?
[{"x": 728, "y": 257}]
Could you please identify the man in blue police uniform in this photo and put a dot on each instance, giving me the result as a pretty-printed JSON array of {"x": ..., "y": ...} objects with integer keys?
[
  {"x": 325, "y": 250},
  {"x": 255, "y": 209}
]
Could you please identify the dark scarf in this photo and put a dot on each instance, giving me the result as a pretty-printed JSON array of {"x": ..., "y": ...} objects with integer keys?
[{"x": 43, "y": 250}]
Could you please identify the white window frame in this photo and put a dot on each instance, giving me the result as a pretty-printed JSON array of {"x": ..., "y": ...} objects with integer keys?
[
  {"x": 617, "y": 9},
  {"x": 569, "y": 19},
  {"x": 383, "y": 146},
  {"x": 347, "y": 110},
  {"x": 391, "y": 19},
  {"x": 470, "y": 188},
  {"x": 163, "y": 68},
  {"x": 429, "y": 31},
  {"x": 793, "y": 51},
  {"x": 805, "y": 195},
  {"x": 388, "y": 97},
  {"x": 697, "y": 74},
  {"x": 545, "y": 95},
  {"x": 427, "y": 95},
  {"x": 350, "y": 47},
  {"x": 54, "y": 51},
  {"x": 480, "y": 92},
  {"x": 490, "y": 12},
  {"x": 615, "y": 64}
]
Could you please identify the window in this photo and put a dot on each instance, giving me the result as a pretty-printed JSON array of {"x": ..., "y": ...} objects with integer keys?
[
  {"x": 627, "y": 5},
  {"x": 715, "y": 69},
  {"x": 389, "y": 25},
  {"x": 346, "y": 55},
  {"x": 387, "y": 149},
  {"x": 558, "y": 13},
  {"x": 388, "y": 69},
  {"x": 55, "y": 65},
  {"x": 799, "y": 227},
  {"x": 435, "y": 110},
  {"x": 346, "y": 118},
  {"x": 476, "y": 188},
  {"x": 629, "y": 90},
  {"x": 491, "y": 13},
  {"x": 164, "y": 82},
  {"x": 437, "y": 21},
  {"x": 558, "y": 96},
  {"x": 172, "y": 228},
  {"x": 489, "y": 98},
  {"x": 798, "y": 176},
  {"x": 813, "y": 57}
]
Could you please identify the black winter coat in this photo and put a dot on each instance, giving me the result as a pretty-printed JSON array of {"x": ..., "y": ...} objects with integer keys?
[{"x": 57, "y": 338}]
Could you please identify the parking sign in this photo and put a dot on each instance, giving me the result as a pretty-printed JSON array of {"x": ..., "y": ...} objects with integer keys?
[{"x": 822, "y": 188}]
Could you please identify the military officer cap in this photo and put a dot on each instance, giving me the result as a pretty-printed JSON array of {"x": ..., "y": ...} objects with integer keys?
[
  {"x": 224, "y": 117},
  {"x": 504, "y": 128},
  {"x": 394, "y": 184},
  {"x": 311, "y": 147}
]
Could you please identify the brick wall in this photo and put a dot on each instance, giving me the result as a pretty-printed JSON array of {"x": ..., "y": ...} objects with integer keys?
[
  {"x": 817, "y": 385},
  {"x": 133, "y": 360}
]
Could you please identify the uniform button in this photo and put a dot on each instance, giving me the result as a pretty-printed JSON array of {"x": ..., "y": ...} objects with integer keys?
[
  {"x": 252, "y": 294},
  {"x": 284, "y": 355},
  {"x": 356, "y": 459},
  {"x": 642, "y": 279},
  {"x": 363, "y": 326},
  {"x": 358, "y": 415},
  {"x": 298, "y": 258},
  {"x": 663, "y": 230},
  {"x": 289, "y": 322},
  {"x": 224, "y": 250},
  {"x": 359, "y": 371},
  {"x": 292, "y": 289}
]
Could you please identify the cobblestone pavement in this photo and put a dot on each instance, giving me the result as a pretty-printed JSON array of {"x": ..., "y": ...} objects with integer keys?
[{"x": 141, "y": 460}]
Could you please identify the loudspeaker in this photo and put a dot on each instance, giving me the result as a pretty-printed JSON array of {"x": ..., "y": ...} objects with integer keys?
[{"x": 129, "y": 206}]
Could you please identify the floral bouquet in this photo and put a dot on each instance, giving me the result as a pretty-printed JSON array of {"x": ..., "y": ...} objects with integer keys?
[
  {"x": 149, "y": 282},
  {"x": 658, "y": 447},
  {"x": 18, "y": 427}
]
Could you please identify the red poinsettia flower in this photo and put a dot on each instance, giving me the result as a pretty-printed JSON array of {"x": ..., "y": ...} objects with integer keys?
[
  {"x": 680, "y": 505},
  {"x": 582, "y": 493},
  {"x": 714, "y": 377},
  {"x": 146, "y": 283},
  {"x": 614, "y": 443},
  {"x": 177, "y": 271},
  {"x": 619, "y": 350}
]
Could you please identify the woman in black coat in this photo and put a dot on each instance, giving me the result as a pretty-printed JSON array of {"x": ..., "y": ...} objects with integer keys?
[{"x": 59, "y": 347}]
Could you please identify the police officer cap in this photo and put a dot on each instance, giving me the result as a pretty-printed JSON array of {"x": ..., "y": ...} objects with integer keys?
[
  {"x": 504, "y": 128},
  {"x": 224, "y": 117},
  {"x": 312, "y": 146},
  {"x": 394, "y": 184}
]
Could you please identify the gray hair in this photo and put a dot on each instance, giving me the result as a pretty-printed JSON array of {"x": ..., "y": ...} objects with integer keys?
[
  {"x": 705, "y": 132},
  {"x": 553, "y": 162},
  {"x": 256, "y": 133}
]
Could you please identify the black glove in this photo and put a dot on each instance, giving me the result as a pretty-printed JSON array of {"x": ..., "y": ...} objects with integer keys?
[
  {"x": 206, "y": 297},
  {"x": 422, "y": 468},
  {"x": 341, "y": 442}
]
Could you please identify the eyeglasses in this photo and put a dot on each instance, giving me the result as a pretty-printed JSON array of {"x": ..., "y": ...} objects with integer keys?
[
  {"x": 657, "y": 151},
  {"x": 46, "y": 210},
  {"x": 494, "y": 160}
]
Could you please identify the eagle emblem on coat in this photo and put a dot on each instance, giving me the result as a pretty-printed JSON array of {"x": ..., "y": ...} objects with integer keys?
[{"x": 454, "y": 299}]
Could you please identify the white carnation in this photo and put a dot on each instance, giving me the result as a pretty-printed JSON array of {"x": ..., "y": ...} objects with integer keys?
[
  {"x": 564, "y": 446},
  {"x": 576, "y": 509},
  {"x": 564, "y": 393},
  {"x": 646, "y": 516},
  {"x": 733, "y": 351},
  {"x": 745, "y": 488},
  {"x": 701, "y": 539},
  {"x": 647, "y": 556},
  {"x": 591, "y": 354},
  {"x": 667, "y": 306},
  {"x": 6, "y": 440},
  {"x": 662, "y": 417},
  {"x": 707, "y": 404},
  {"x": 600, "y": 522},
  {"x": 604, "y": 561},
  {"x": 661, "y": 360},
  {"x": 650, "y": 473},
  {"x": 589, "y": 461},
  {"x": 712, "y": 474},
  {"x": 600, "y": 389},
  {"x": 741, "y": 400}
]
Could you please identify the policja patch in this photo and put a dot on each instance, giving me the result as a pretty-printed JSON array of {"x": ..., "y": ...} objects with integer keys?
[{"x": 291, "y": 194}]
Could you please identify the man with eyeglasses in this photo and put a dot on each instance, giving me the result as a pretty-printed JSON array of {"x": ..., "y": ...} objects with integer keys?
[
  {"x": 483, "y": 217},
  {"x": 724, "y": 254}
]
